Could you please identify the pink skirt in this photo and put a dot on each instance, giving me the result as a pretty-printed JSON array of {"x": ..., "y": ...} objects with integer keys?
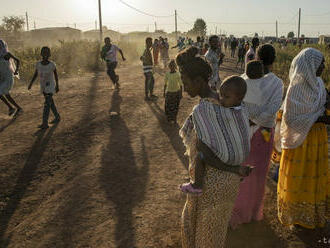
[{"x": 249, "y": 202}]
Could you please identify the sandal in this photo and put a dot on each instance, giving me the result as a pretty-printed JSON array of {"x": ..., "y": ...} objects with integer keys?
[{"x": 189, "y": 189}]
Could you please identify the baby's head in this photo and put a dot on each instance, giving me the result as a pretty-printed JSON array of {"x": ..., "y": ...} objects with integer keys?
[
  {"x": 45, "y": 52},
  {"x": 172, "y": 65},
  {"x": 254, "y": 69},
  {"x": 232, "y": 91}
]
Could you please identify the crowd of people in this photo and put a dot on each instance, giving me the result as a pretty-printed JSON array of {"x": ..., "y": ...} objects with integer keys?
[{"x": 229, "y": 135}]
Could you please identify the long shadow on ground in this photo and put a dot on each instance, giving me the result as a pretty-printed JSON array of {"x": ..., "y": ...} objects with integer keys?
[
  {"x": 172, "y": 132},
  {"x": 122, "y": 178},
  {"x": 24, "y": 179},
  {"x": 71, "y": 216},
  {"x": 79, "y": 138}
]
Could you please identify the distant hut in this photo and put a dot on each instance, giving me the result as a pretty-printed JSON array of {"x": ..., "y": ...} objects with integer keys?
[{"x": 50, "y": 36}]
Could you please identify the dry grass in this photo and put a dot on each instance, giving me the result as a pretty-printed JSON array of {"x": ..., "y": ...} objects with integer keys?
[{"x": 284, "y": 57}]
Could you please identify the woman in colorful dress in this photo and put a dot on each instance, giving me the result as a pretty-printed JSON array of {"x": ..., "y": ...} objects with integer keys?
[
  {"x": 205, "y": 218},
  {"x": 304, "y": 178},
  {"x": 249, "y": 203}
]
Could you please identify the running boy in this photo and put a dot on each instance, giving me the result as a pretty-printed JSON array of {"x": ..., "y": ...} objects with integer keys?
[
  {"x": 172, "y": 92},
  {"x": 232, "y": 149},
  {"x": 109, "y": 55},
  {"x": 146, "y": 59},
  {"x": 48, "y": 86}
]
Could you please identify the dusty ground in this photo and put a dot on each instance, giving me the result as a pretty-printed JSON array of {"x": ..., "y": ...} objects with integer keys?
[{"x": 98, "y": 180}]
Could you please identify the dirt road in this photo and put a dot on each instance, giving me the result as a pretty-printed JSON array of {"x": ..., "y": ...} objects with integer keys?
[{"x": 101, "y": 180}]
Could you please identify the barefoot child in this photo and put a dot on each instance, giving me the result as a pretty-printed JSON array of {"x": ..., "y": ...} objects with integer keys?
[
  {"x": 253, "y": 97},
  {"x": 146, "y": 59},
  {"x": 109, "y": 55},
  {"x": 48, "y": 86},
  {"x": 172, "y": 92},
  {"x": 7, "y": 78},
  {"x": 226, "y": 119}
]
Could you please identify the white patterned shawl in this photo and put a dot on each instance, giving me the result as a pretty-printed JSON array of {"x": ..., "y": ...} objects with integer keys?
[
  {"x": 263, "y": 99},
  {"x": 305, "y": 99},
  {"x": 224, "y": 130}
]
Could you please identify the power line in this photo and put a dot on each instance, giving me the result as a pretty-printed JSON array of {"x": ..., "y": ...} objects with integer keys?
[
  {"x": 324, "y": 14},
  {"x": 143, "y": 12}
]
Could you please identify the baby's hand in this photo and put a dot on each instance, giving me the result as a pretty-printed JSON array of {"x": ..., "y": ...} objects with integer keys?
[{"x": 245, "y": 171}]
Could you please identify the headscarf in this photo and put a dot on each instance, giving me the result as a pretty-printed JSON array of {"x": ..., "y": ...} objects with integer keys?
[
  {"x": 3, "y": 48},
  {"x": 305, "y": 99}
]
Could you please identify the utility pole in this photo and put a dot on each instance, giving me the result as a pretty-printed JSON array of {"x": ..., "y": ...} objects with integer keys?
[
  {"x": 27, "y": 21},
  {"x": 155, "y": 27},
  {"x": 299, "y": 24},
  {"x": 100, "y": 20},
  {"x": 75, "y": 25},
  {"x": 176, "y": 25},
  {"x": 95, "y": 24},
  {"x": 216, "y": 30},
  {"x": 276, "y": 30}
]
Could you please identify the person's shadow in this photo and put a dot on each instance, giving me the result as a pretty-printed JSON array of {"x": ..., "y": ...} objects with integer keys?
[
  {"x": 26, "y": 175},
  {"x": 123, "y": 174},
  {"x": 172, "y": 132}
]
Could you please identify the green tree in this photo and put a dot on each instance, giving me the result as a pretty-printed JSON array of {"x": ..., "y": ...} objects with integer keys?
[
  {"x": 13, "y": 23},
  {"x": 200, "y": 27},
  {"x": 291, "y": 35}
]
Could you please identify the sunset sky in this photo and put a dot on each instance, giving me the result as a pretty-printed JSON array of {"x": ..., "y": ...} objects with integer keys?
[{"x": 236, "y": 17}]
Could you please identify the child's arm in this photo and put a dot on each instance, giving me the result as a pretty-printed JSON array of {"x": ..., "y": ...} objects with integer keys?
[
  {"x": 57, "y": 89},
  {"x": 33, "y": 79},
  {"x": 122, "y": 54},
  {"x": 211, "y": 159},
  {"x": 16, "y": 61},
  {"x": 103, "y": 53},
  {"x": 143, "y": 56}
]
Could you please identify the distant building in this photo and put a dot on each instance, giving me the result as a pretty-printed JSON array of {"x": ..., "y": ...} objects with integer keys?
[
  {"x": 50, "y": 36},
  {"x": 324, "y": 39}
]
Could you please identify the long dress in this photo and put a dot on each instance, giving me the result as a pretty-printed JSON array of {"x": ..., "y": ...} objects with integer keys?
[
  {"x": 249, "y": 203},
  {"x": 6, "y": 77},
  {"x": 304, "y": 181},
  {"x": 250, "y": 200},
  {"x": 205, "y": 218}
]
